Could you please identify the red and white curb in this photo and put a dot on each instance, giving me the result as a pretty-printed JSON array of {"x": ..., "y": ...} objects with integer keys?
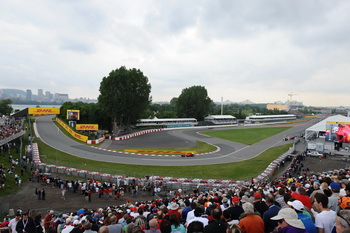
[{"x": 128, "y": 136}]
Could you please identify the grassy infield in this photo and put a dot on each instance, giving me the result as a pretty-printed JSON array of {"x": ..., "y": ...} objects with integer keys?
[{"x": 237, "y": 170}]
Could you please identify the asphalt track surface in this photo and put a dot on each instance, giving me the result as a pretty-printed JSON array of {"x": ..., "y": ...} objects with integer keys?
[{"x": 228, "y": 151}]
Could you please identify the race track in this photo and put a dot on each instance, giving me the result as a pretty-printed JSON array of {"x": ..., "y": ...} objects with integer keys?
[{"x": 228, "y": 152}]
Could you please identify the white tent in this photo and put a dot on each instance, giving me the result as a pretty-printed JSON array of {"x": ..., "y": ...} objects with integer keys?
[{"x": 321, "y": 126}]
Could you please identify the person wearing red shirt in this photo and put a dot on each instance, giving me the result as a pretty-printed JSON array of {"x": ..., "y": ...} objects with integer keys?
[
  {"x": 48, "y": 221},
  {"x": 174, "y": 209},
  {"x": 301, "y": 196}
]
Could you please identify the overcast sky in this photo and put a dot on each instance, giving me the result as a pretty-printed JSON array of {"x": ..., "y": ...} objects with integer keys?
[{"x": 256, "y": 50}]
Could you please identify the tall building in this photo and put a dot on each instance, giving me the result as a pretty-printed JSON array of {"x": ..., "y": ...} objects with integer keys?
[
  {"x": 40, "y": 94},
  {"x": 29, "y": 94}
]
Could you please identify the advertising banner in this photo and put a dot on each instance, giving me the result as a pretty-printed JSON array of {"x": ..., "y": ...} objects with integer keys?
[
  {"x": 71, "y": 132},
  {"x": 43, "y": 111},
  {"x": 73, "y": 115},
  {"x": 86, "y": 127},
  {"x": 338, "y": 131}
]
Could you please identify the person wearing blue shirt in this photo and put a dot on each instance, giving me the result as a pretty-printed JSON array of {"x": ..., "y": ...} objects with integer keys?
[
  {"x": 305, "y": 218},
  {"x": 272, "y": 211}
]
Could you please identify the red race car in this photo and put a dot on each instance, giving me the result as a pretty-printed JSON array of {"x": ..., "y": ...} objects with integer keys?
[{"x": 187, "y": 155}]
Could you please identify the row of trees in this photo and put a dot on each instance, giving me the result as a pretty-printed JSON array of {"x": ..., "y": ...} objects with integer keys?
[{"x": 125, "y": 97}]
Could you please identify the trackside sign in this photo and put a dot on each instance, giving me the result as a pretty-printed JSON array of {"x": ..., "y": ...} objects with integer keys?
[
  {"x": 43, "y": 111},
  {"x": 69, "y": 130},
  {"x": 86, "y": 127}
]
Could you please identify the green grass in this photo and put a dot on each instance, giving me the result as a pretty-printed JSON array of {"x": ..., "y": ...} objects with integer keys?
[
  {"x": 201, "y": 147},
  {"x": 246, "y": 136},
  {"x": 236, "y": 171}
]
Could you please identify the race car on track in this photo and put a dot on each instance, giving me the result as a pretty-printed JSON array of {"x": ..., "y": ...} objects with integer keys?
[{"x": 187, "y": 155}]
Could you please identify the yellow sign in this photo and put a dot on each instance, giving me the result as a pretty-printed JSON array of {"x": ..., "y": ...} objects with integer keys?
[
  {"x": 86, "y": 127},
  {"x": 71, "y": 132},
  {"x": 337, "y": 123},
  {"x": 43, "y": 111}
]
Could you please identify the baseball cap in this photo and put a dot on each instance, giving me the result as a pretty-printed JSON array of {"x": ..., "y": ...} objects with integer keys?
[
  {"x": 335, "y": 186},
  {"x": 257, "y": 195},
  {"x": 235, "y": 199},
  {"x": 296, "y": 204}
]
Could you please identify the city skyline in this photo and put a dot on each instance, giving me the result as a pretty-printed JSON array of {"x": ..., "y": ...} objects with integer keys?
[{"x": 253, "y": 50}]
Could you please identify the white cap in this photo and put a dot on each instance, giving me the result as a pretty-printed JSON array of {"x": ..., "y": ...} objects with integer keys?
[
  {"x": 76, "y": 222},
  {"x": 296, "y": 205}
]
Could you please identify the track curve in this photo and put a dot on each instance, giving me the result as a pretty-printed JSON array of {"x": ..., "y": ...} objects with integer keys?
[{"x": 229, "y": 151}]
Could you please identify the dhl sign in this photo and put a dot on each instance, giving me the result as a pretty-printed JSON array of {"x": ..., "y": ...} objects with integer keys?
[
  {"x": 86, "y": 127},
  {"x": 71, "y": 132},
  {"x": 43, "y": 111}
]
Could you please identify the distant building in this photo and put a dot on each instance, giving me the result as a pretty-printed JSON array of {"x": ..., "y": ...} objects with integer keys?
[
  {"x": 294, "y": 104},
  {"x": 29, "y": 94},
  {"x": 289, "y": 105},
  {"x": 40, "y": 94},
  {"x": 61, "y": 97},
  {"x": 280, "y": 107}
]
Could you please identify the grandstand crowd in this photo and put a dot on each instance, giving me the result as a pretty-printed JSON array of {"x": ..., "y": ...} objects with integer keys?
[
  {"x": 296, "y": 202},
  {"x": 8, "y": 127}
]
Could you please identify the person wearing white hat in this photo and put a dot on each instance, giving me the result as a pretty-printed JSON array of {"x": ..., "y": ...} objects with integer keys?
[
  {"x": 288, "y": 221},
  {"x": 303, "y": 215},
  {"x": 174, "y": 210}
]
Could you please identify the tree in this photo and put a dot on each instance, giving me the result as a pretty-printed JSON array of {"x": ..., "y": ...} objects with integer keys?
[
  {"x": 124, "y": 95},
  {"x": 193, "y": 102},
  {"x": 5, "y": 107}
]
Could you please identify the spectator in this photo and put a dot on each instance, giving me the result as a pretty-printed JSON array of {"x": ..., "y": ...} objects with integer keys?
[
  {"x": 174, "y": 209},
  {"x": 13, "y": 223},
  {"x": 176, "y": 225},
  {"x": 26, "y": 224},
  {"x": 251, "y": 222},
  {"x": 298, "y": 207},
  {"x": 333, "y": 199},
  {"x": 325, "y": 220},
  {"x": 87, "y": 227},
  {"x": 153, "y": 227},
  {"x": 217, "y": 225},
  {"x": 198, "y": 211},
  {"x": 235, "y": 208},
  {"x": 195, "y": 227},
  {"x": 259, "y": 204},
  {"x": 114, "y": 227},
  {"x": 165, "y": 227},
  {"x": 342, "y": 221},
  {"x": 301, "y": 196},
  {"x": 272, "y": 211},
  {"x": 288, "y": 221}
]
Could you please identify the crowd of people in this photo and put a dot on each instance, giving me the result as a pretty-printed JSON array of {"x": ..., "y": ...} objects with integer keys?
[
  {"x": 8, "y": 127},
  {"x": 301, "y": 203}
]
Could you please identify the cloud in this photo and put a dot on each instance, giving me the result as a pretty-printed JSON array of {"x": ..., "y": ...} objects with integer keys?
[{"x": 257, "y": 50}]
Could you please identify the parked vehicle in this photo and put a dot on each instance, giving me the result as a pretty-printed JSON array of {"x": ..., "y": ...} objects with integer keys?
[{"x": 314, "y": 154}]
